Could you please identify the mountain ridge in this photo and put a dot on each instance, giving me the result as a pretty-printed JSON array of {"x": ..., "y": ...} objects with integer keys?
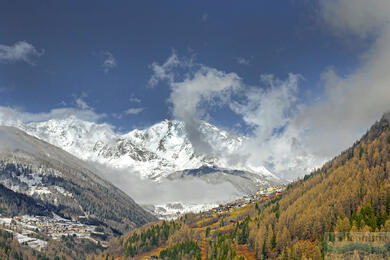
[
  {"x": 154, "y": 152},
  {"x": 46, "y": 173}
]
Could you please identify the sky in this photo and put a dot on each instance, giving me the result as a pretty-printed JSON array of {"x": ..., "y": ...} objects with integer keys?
[{"x": 302, "y": 79}]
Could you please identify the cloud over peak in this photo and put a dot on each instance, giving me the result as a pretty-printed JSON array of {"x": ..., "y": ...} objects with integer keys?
[
  {"x": 79, "y": 109},
  {"x": 267, "y": 109},
  {"x": 194, "y": 87}
]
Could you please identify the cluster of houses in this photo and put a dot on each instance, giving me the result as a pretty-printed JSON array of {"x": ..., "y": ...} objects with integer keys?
[
  {"x": 27, "y": 227},
  {"x": 262, "y": 194},
  {"x": 55, "y": 227}
]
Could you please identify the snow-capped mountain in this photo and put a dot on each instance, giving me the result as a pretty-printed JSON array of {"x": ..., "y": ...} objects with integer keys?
[
  {"x": 154, "y": 152},
  {"x": 37, "y": 178},
  {"x": 162, "y": 153}
]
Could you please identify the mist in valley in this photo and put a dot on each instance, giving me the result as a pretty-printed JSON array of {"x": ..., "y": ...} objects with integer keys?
[{"x": 146, "y": 191}]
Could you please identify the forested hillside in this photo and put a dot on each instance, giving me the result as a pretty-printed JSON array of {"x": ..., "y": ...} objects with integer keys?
[
  {"x": 9, "y": 248},
  {"x": 349, "y": 193},
  {"x": 68, "y": 248}
]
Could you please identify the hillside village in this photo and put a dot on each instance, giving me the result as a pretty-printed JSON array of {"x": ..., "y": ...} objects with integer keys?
[
  {"x": 262, "y": 194},
  {"x": 228, "y": 222},
  {"x": 172, "y": 211},
  {"x": 35, "y": 231}
]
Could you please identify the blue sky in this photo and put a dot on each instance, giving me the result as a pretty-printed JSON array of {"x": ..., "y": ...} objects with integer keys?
[
  {"x": 75, "y": 36},
  {"x": 302, "y": 78}
]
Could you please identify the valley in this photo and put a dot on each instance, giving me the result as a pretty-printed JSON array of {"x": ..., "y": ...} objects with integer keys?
[
  {"x": 284, "y": 221},
  {"x": 160, "y": 158},
  {"x": 348, "y": 194},
  {"x": 171, "y": 211},
  {"x": 276, "y": 222},
  {"x": 195, "y": 130},
  {"x": 36, "y": 231}
]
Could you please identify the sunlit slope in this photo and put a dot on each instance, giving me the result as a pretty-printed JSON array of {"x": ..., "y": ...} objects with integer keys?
[{"x": 349, "y": 193}]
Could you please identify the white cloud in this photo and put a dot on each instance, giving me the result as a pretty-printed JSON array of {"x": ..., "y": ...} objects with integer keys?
[
  {"x": 289, "y": 136},
  {"x": 11, "y": 116},
  {"x": 82, "y": 104},
  {"x": 110, "y": 62},
  {"x": 15, "y": 115},
  {"x": 206, "y": 85},
  {"x": 314, "y": 132},
  {"x": 134, "y": 99},
  {"x": 20, "y": 51},
  {"x": 269, "y": 107},
  {"x": 243, "y": 61},
  {"x": 359, "y": 17},
  {"x": 189, "y": 191},
  {"x": 134, "y": 110},
  {"x": 201, "y": 84},
  {"x": 352, "y": 102},
  {"x": 165, "y": 71},
  {"x": 275, "y": 142},
  {"x": 80, "y": 101},
  {"x": 117, "y": 115}
]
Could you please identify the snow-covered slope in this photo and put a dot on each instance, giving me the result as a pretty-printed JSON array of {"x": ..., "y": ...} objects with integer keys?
[
  {"x": 162, "y": 153},
  {"x": 44, "y": 175},
  {"x": 154, "y": 152}
]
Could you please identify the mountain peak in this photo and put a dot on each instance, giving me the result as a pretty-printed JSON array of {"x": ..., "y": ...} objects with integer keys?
[
  {"x": 153, "y": 152},
  {"x": 386, "y": 116}
]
